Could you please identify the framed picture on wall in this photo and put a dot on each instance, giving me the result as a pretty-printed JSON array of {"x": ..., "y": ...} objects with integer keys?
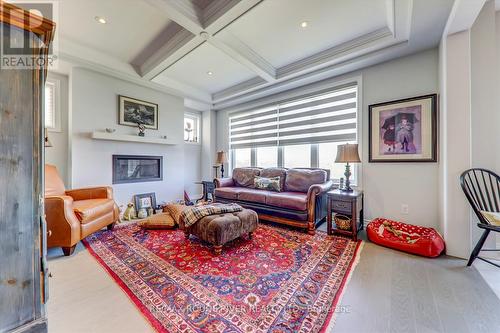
[
  {"x": 132, "y": 112},
  {"x": 404, "y": 130}
]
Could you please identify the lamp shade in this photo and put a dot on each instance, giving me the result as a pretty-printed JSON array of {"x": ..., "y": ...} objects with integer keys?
[
  {"x": 221, "y": 157},
  {"x": 347, "y": 153}
]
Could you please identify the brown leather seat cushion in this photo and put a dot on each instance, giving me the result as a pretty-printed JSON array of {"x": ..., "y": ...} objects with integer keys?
[
  {"x": 90, "y": 210},
  {"x": 290, "y": 200},
  {"x": 253, "y": 195},
  {"x": 228, "y": 192}
]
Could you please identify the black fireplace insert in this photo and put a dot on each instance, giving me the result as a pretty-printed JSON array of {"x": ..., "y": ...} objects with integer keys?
[{"x": 137, "y": 169}]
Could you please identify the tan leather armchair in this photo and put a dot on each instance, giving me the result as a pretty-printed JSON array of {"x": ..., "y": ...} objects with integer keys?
[{"x": 73, "y": 215}]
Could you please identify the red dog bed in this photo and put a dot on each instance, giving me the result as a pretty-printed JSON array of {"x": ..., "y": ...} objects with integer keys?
[{"x": 409, "y": 238}]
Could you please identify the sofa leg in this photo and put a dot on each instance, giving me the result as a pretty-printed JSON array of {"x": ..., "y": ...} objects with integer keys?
[
  {"x": 68, "y": 250},
  {"x": 311, "y": 229},
  {"x": 111, "y": 226},
  {"x": 250, "y": 235},
  {"x": 186, "y": 234},
  {"x": 217, "y": 249}
]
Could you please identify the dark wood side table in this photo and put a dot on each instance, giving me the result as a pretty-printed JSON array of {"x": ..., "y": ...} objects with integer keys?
[
  {"x": 349, "y": 204},
  {"x": 208, "y": 188}
]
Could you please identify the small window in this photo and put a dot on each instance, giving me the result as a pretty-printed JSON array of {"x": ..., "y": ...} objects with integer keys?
[
  {"x": 52, "y": 112},
  {"x": 242, "y": 157},
  {"x": 297, "y": 156},
  {"x": 267, "y": 157},
  {"x": 191, "y": 128},
  {"x": 327, "y": 152}
]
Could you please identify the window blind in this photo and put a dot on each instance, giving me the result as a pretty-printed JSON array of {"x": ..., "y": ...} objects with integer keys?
[
  {"x": 50, "y": 108},
  {"x": 327, "y": 117}
]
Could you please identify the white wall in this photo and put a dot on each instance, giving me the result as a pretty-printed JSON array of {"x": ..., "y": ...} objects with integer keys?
[
  {"x": 484, "y": 106},
  {"x": 94, "y": 99},
  {"x": 389, "y": 185},
  {"x": 192, "y": 165},
  {"x": 455, "y": 142},
  {"x": 58, "y": 153}
]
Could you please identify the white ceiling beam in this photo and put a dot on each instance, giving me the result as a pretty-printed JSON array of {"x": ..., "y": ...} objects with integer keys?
[
  {"x": 218, "y": 15},
  {"x": 183, "y": 12},
  {"x": 79, "y": 55},
  {"x": 175, "y": 49},
  {"x": 240, "y": 52},
  {"x": 350, "y": 65}
]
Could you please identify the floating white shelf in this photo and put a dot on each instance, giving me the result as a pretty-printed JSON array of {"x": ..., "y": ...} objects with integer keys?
[{"x": 131, "y": 138}]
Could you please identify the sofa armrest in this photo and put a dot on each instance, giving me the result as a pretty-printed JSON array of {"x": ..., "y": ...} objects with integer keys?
[
  {"x": 63, "y": 226},
  {"x": 102, "y": 192},
  {"x": 319, "y": 189},
  {"x": 224, "y": 182}
]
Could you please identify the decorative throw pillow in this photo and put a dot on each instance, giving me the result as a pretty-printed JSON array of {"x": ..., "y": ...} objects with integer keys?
[
  {"x": 270, "y": 184},
  {"x": 493, "y": 218},
  {"x": 175, "y": 210},
  {"x": 158, "y": 221}
]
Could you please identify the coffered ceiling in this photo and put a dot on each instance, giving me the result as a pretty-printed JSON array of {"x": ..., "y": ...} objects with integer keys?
[{"x": 222, "y": 52}]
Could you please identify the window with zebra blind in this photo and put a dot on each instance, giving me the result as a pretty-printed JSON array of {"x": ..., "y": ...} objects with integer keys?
[
  {"x": 303, "y": 132},
  {"x": 52, "y": 111}
]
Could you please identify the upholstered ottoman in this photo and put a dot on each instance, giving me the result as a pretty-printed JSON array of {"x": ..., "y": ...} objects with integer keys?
[{"x": 220, "y": 229}]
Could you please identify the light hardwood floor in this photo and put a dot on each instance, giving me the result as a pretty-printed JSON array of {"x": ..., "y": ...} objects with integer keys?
[{"x": 389, "y": 291}]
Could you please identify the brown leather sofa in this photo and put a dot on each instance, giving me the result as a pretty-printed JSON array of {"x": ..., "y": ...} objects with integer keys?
[
  {"x": 301, "y": 202},
  {"x": 73, "y": 215}
]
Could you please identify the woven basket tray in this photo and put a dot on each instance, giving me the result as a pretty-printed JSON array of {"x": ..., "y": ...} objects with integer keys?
[{"x": 343, "y": 222}]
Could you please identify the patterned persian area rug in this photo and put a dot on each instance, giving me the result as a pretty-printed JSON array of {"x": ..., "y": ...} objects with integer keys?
[{"x": 280, "y": 281}]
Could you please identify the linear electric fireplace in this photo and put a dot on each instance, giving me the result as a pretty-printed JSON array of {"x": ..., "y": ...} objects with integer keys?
[{"x": 137, "y": 169}]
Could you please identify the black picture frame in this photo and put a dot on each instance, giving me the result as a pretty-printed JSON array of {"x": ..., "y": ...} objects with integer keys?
[
  {"x": 433, "y": 130},
  {"x": 122, "y": 116},
  {"x": 139, "y": 197}
]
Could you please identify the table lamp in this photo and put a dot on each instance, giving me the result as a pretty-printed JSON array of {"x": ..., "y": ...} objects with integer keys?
[
  {"x": 221, "y": 159},
  {"x": 347, "y": 153}
]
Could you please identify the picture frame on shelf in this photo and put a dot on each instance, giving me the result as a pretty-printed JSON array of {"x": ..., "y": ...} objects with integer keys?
[
  {"x": 403, "y": 130},
  {"x": 132, "y": 111}
]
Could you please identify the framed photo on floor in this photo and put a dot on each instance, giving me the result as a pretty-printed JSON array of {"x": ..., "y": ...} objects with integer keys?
[
  {"x": 404, "y": 130},
  {"x": 146, "y": 200},
  {"x": 134, "y": 111}
]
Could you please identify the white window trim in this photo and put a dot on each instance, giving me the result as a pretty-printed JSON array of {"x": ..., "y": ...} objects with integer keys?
[
  {"x": 318, "y": 86},
  {"x": 198, "y": 127},
  {"x": 57, "y": 105}
]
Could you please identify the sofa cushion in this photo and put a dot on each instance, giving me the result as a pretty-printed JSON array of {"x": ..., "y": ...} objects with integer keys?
[
  {"x": 289, "y": 200},
  {"x": 175, "y": 210},
  {"x": 158, "y": 221},
  {"x": 275, "y": 172},
  {"x": 253, "y": 195},
  {"x": 89, "y": 210},
  {"x": 244, "y": 176},
  {"x": 228, "y": 192},
  {"x": 270, "y": 184},
  {"x": 299, "y": 180}
]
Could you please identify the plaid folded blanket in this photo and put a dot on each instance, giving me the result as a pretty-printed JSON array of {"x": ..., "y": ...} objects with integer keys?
[{"x": 192, "y": 215}]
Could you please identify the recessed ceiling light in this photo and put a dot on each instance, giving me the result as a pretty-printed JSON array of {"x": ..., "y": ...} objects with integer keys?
[
  {"x": 210, "y": 73},
  {"x": 304, "y": 24},
  {"x": 101, "y": 19}
]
